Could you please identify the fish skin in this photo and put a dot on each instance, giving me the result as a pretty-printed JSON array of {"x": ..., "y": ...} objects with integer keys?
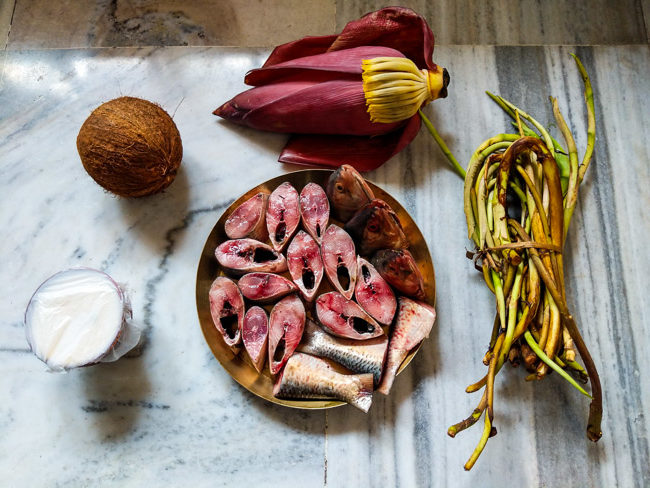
[
  {"x": 413, "y": 325},
  {"x": 247, "y": 220},
  {"x": 224, "y": 291},
  {"x": 374, "y": 294},
  {"x": 287, "y": 321},
  {"x": 347, "y": 192},
  {"x": 336, "y": 313},
  {"x": 309, "y": 377},
  {"x": 304, "y": 254},
  {"x": 314, "y": 210},
  {"x": 358, "y": 356},
  {"x": 255, "y": 335},
  {"x": 376, "y": 226},
  {"x": 238, "y": 256},
  {"x": 399, "y": 269},
  {"x": 338, "y": 249},
  {"x": 284, "y": 207},
  {"x": 265, "y": 287}
]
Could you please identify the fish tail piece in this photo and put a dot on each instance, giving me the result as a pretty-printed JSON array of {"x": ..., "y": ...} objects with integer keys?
[
  {"x": 387, "y": 381},
  {"x": 393, "y": 362},
  {"x": 363, "y": 396}
]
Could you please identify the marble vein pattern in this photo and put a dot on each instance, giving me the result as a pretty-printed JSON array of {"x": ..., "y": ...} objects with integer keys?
[
  {"x": 172, "y": 416},
  {"x": 109, "y": 23},
  {"x": 69, "y": 23},
  {"x": 527, "y": 22}
]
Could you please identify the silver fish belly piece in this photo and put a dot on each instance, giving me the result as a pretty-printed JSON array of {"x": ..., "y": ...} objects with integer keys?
[
  {"x": 413, "y": 324},
  {"x": 309, "y": 377},
  {"x": 358, "y": 356}
]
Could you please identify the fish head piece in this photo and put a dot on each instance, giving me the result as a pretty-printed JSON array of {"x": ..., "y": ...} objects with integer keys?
[
  {"x": 404, "y": 268},
  {"x": 399, "y": 268},
  {"x": 347, "y": 190},
  {"x": 377, "y": 226}
]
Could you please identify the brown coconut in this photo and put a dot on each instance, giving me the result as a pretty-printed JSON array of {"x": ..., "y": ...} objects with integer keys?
[{"x": 131, "y": 147}]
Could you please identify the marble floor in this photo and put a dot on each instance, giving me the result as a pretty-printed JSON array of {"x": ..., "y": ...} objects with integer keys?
[
  {"x": 172, "y": 416},
  {"x": 37, "y": 24}
]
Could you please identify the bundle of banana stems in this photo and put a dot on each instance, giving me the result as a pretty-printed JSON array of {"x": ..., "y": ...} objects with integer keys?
[{"x": 519, "y": 195}]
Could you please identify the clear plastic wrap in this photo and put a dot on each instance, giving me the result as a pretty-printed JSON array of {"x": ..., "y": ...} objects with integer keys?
[{"x": 79, "y": 317}]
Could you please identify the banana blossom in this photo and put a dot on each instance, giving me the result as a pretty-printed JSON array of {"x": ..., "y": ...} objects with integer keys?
[{"x": 350, "y": 98}]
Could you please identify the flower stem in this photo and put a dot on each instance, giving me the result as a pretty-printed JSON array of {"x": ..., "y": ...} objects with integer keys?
[{"x": 450, "y": 157}]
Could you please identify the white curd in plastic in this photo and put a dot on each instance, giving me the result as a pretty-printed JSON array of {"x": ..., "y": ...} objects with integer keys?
[{"x": 74, "y": 318}]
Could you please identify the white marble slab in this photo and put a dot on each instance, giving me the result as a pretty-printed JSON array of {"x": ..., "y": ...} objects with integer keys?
[{"x": 173, "y": 417}]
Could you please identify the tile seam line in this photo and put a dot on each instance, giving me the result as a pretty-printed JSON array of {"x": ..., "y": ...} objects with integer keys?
[{"x": 8, "y": 48}]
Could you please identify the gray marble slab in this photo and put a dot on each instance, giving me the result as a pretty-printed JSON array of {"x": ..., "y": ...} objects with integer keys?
[
  {"x": 645, "y": 4},
  {"x": 74, "y": 24},
  {"x": 105, "y": 23},
  {"x": 172, "y": 416},
  {"x": 515, "y": 22}
]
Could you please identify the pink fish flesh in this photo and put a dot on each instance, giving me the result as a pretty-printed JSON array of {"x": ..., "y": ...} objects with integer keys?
[
  {"x": 247, "y": 255},
  {"x": 376, "y": 226},
  {"x": 373, "y": 293},
  {"x": 265, "y": 287},
  {"x": 358, "y": 356},
  {"x": 314, "y": 210},
  {"x": 413, "y": 325},
  {"x": 310, "y": 377},
  {"x": 344, "y": 318},
  {"x": 347, "y": 192},
  {"x": 247, "y": 220},
  {"x": 282, "y": 215},
  {"x": 227, "y": 309},
  {"x": 286, "y": 324},
  {"x": 398, "y": 267},
  {"x": 255, "y": 335},
  {"x": 305, "y": 264},
  {"x": 339, "y": 259}
]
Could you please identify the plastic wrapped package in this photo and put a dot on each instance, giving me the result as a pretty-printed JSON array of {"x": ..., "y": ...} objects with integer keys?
[{"x": 79, "y": 317}]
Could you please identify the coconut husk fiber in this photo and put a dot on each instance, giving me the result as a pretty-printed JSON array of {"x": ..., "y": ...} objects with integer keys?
[{"x": 131, "y": 147}]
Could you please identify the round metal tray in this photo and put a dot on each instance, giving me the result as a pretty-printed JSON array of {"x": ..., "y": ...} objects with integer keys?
[{"x": 238, "y": 364}]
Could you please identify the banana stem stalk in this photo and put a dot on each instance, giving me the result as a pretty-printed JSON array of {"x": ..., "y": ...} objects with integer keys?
[{"x": 443, "y": 147}]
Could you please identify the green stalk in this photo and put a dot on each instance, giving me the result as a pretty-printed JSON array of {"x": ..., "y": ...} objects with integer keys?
[
  {"x": 537, "y": 199},
  {"x": 542, "y": 130},
  {"x": 501, "y": 303},
  {"x": 481, "y": 444},
  {"x": 490, "y": 222},
  {"x": 474, "y": 167},
  {"x": 517, "y": 189},
  {"x": 575, "y": 365},
  {"x": 572, "y": 190},
  {"x": 513, "y": 302},
  {"x": 561, "y": 157},
  {"x": 551, "y": 364},
  {"x": 591, "y": 119},
  {"x": 469, "y": 421},
  {"x": 450, "y": 157},
  {"x": 481, "y": 200},
  {"x": 499, "y": 101}
]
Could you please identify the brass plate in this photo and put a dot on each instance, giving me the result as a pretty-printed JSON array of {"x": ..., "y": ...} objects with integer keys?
[{"x": 239, "y": 365}]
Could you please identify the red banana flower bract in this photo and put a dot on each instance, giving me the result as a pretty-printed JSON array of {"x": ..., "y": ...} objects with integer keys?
[{"x": 312, "y": 88}]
